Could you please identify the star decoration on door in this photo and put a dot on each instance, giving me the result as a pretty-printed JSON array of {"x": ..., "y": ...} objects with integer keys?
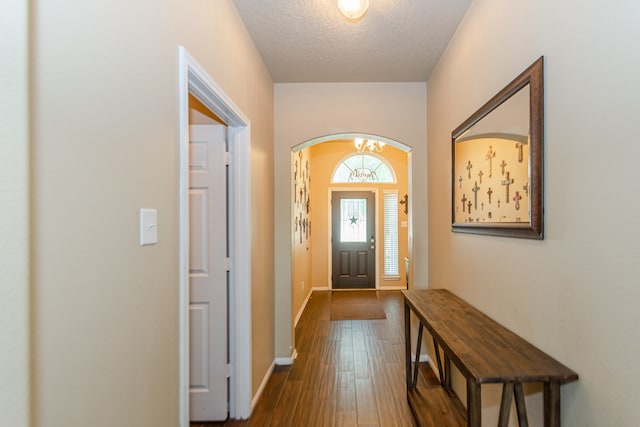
[{"x": 353, "y": 220}]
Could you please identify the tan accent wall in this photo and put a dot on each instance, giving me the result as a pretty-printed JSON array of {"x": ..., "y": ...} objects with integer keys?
[
  {"x": 105, "y": 144},
  {"x": 14, "y": 214},
  {"x": 199, "y": 114},
  {"x": 497, "y": 208},
  {"x": 325, "y": 157},
  {"x": 574, "y": 294}
]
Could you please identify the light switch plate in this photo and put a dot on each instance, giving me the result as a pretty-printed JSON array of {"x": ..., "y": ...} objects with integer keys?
[{"x": 148, "y": 226}]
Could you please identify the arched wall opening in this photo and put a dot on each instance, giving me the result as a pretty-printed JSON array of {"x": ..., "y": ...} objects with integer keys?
[
  {"x": 310, "y": 113},
  {"x": 313, "y": 163}
]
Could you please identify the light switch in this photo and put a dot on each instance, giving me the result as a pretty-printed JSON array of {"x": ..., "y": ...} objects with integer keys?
[
  {"x": 404, "y": 224},
  {"x": 148, "y": 226}
]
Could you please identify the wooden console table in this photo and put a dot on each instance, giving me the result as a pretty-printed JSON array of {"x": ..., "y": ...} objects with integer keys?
[{"x": 485, "y": 352}]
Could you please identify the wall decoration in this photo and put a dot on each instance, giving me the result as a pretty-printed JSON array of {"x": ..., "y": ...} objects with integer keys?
[
  {"x": 301, "y": 196},
  {"x": 405, "y": 201},
  {"x": 507, "y": 130}
]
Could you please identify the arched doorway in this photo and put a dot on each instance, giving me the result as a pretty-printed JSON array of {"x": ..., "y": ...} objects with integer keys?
[{"x": 313, "y": 166}]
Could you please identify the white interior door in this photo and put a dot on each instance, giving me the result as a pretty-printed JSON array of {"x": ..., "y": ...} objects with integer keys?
[{"x": 208, "y": 273}]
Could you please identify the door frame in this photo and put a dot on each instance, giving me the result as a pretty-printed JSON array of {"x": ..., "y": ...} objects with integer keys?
[
  {"x": 374, "y": 190},
  {"x": 194, "y": 80}
]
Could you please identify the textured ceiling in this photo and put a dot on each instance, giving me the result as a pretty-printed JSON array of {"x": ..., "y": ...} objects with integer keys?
[{"x": 310, "y": 41}]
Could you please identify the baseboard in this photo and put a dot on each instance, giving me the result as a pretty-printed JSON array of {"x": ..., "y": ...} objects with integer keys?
[
  {"x": 285, "y": 361},
  {"x": 381, "y": 288},
  {"x": 263, "y": 384},
  {"x": 304, "y": 304},
  {"x": 423, "y": 358}
]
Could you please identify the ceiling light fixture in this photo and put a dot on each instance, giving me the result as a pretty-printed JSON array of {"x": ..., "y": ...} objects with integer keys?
[
  {"x": 370, "y": 145},
  {"x": 353, "y": 9}
]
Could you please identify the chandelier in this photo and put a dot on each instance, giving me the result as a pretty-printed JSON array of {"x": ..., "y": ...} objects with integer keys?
[{"x": 370, "y": 145}]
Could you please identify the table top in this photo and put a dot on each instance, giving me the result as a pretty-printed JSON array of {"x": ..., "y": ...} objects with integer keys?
[{"x": 479, "y": 346}]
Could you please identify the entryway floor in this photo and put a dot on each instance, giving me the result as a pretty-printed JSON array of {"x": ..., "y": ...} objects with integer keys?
[{"x": 347, "y": 373}]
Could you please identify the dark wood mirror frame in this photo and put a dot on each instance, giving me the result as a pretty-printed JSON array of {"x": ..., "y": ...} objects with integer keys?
[{"x": 533, "y": 228}]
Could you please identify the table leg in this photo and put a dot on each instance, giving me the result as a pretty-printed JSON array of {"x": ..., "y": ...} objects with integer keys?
[
  {"x": 447, "y": 373},
  {"x": 436, "y": 349},
  {"x": 407, "y": 344},
  {"x": 521, "y": 408},
  {"x": 474, "y": 409},
  {"x": 417, "y": 363},
  {"x": 551, "y": 404},
  {"x": 505, "y": 404}
]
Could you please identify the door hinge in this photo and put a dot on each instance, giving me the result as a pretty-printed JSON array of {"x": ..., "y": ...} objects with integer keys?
[
  {"x": 228, "y": 372},
  {"x": 227, "y": 264},
  {"x": 227, "y": 158}
]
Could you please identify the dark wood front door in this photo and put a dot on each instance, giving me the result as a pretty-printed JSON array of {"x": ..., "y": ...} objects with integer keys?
[{"x": 353, "y": 239}]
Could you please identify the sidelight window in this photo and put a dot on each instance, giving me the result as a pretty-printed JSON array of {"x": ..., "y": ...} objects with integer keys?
[{"x": 391, "y": 233}]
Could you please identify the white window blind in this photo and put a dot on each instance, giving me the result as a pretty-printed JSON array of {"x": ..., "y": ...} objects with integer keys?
[{"x": 391, "y": 233}]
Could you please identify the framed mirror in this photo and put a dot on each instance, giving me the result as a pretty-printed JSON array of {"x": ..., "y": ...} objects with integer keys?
[{"x": 497, "y": 162}]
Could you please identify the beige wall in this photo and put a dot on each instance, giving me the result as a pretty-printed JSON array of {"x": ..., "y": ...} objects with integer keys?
[
  {"x": 105, "y": 144},
  {"x": 14, "y": 214},
  {"x": 309, "y": 110},
  {"x": 574, "y": 294},
  {"x": 325, "y": 157}
]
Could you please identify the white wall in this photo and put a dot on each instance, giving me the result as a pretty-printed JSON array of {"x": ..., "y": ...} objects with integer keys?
[
  {"x": 575, "y": 294},
  {"x": 105, "y": 144},
  {"x": 308, "y": 110},
  {"x": 14, "y": 214}
]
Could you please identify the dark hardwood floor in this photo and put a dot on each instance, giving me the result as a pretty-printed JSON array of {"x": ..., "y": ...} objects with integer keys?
[{"x": 347, "y": 373}]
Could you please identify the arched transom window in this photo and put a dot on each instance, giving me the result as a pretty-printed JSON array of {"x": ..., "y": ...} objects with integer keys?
[{"x": 359, "y": 168}]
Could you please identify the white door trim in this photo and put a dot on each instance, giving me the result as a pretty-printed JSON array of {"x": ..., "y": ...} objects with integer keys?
[{"x": 194, "y": 80}]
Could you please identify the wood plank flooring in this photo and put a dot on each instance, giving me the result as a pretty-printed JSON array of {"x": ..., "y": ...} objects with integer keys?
[{"x": 347, "y": 373}]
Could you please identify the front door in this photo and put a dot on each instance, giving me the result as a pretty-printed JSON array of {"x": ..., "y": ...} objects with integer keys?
[
  {"x": 353, "y": 239},
  {"x": 208, "y": 359}
]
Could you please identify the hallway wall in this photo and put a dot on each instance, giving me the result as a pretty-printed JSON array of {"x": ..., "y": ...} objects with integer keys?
[
  {"x": 105, "y": 144},
  {"x": 304, "y": 111},
  {"x": 14, "y": 214},
  {"x": 575, "y": 293}
]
